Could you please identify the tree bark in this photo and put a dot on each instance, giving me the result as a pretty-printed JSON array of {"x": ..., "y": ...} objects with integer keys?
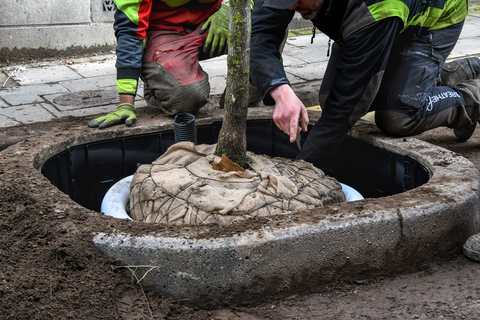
[{"x": 232, "y": 140}]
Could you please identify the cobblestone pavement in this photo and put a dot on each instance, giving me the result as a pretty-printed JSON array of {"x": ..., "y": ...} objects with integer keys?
[{"x": 44, "y": 91}]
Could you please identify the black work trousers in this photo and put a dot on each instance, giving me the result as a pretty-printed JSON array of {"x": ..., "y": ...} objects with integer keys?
[{"x": 410, "y": 99}]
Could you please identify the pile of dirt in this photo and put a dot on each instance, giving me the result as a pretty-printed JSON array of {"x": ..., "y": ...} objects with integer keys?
[{"x": 50, "y": 269}]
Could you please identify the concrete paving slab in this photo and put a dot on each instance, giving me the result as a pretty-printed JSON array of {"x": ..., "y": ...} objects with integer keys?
[
  {"x": 30, "y": 94},
  {"x": 311, "y": 71},
  {"x": 80, "y": 112},
  {"x": 6, "y": 122},
  {"x": 310, "y": 55},
  {"x": 471, "y": 27},
  {"x": 301, "y": 48},
  {"x": 20, "y": 97},
  {"x": 87, "y": 99},
  {"x": 305, "y": 40},
  {"x": 463, "y": 48},
  {"x": 3, "y": 104},
  {"x": 84, "y": 99},
  {"x": 291, "y": 61},
  {"x": 95, "y": 69},
  {"x": 100, "y": 57},
  {"x": 293, "y": 79},
  {"x": 28, "y": 113},
  {"x": 90, "y": 83},
  {"x": 42, "y": 89},
  {"x": 215, "y": 66},
  {"x": 141, "y": 86},
  {"x": 81, "y": 60},
  {"x": 217, "y": 84},
  {"x": 49, "y": 74}
]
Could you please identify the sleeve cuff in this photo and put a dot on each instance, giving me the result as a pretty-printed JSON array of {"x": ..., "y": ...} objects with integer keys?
[
  {"x": 128, "y": 73},
  {"x": 127, "y": 86}
]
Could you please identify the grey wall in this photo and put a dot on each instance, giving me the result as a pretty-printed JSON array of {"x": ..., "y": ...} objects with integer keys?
[
  {"x": 55, "y": 24},
  {"x": 60, "y": 25}
]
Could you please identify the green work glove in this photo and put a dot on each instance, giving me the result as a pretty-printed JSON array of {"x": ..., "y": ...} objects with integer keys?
[
  {"x": 125, "y": 113},
  {"x": 218, "y": 25}
]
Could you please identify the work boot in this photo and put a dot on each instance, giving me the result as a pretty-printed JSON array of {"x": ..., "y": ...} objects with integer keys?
[
  {"x": 464, "y": 133},
  {"x": 471, "y": 248},
  {"x": 459, "y": 70}
]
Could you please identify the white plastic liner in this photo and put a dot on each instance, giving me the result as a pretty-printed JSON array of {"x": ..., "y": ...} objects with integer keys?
[{"x": 116, "y": 198}]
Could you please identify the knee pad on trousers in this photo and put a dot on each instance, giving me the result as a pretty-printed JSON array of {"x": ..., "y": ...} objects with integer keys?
[
  {"x": 163, "y": 92},
  {"x": 392, "y": 122}
]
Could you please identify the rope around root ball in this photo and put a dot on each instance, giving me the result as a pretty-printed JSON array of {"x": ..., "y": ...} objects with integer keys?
[{"x": 182, "y": 187}]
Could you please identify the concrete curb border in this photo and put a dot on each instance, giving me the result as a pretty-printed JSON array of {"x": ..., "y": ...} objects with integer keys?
[
  {"x": 284, "y": 256},
  {"x": 359, "y": 239}
]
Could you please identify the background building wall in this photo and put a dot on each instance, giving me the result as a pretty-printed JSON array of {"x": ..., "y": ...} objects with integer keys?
[
  {"x": 32, "y": 29},
  {"x": 56, "y": 24}
]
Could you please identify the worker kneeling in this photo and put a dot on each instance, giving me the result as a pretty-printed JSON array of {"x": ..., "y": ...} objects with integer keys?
[{"x": 162, "y": 41}]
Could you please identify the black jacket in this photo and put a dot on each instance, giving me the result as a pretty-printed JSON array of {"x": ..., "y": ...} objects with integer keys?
[{"x": 366, "y": 41}]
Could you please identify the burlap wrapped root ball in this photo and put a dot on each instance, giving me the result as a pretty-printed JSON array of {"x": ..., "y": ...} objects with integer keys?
[{"x": 182, "y": 187}]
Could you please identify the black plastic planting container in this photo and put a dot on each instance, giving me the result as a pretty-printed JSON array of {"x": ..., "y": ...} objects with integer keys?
[{"x": 86, "y": 172}]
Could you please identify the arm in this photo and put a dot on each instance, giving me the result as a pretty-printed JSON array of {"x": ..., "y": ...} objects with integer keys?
[
  {"x": 288, "y": 110},
  {"x": 131, "y": 23},
  {"x": 364, "y": 58},
  {"x": 268, "y": 32}
]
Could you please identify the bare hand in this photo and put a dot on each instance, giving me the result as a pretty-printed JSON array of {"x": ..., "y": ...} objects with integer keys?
[{"x": 288, "y": 111}]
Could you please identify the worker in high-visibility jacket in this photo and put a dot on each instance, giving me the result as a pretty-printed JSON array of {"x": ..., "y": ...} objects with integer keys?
[
  {"x": 161, "y": 41},
  {"x": 389, "y": 57}
]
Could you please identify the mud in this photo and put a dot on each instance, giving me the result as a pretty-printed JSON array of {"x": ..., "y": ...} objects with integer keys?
[{"x": 49, "y": 267}]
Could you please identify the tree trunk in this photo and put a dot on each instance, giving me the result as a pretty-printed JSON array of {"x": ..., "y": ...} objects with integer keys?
[{"x": 232, "y": 140}]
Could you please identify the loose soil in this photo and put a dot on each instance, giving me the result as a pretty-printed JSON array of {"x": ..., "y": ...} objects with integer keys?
[{"x": 50, "y": 269}]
